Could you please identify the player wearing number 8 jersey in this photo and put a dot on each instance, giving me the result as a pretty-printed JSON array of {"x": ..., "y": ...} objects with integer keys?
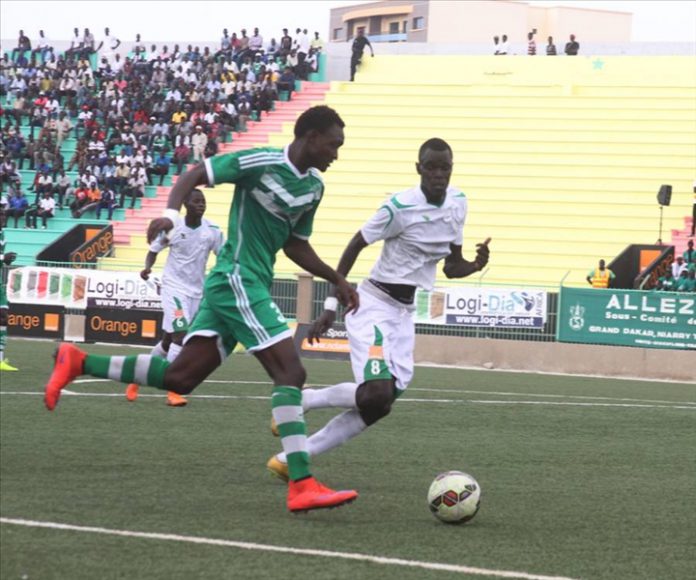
[
  {"x": 277, "y": 192},
  {"x": 420, "y": 227}
]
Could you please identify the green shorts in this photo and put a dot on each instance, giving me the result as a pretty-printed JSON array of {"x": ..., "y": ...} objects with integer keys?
[{"x": 238, "y": 308}]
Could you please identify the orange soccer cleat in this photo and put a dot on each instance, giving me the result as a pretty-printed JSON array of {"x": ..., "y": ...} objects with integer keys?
[
  {"x": 68, "y": 366},
  {"x": 175, "y": 399},
  {"x": 132, "y": 392},
  {"x": 308, "y": 494}
]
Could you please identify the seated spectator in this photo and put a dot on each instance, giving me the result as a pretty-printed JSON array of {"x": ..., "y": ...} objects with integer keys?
[
  {"x": 121, "y": 176},
  {"x": 199, "y": 142},
  {"x": 18, "y": 205},
  {"x": 687, "y": 281},
  {"x": 286, "y": 82},
  {"x": 44, "y": 209},
  {"x": 182, "y": 152},
  {"x": 60, "y": 189},
  {"x": 679, "y": 266},
  {"x": 107, "y": 201},
  {"x": 80, "y": 200},
  {"x": 135, "y": 187},
  {"x": 43, "y": 184},
  {"x": 161, "y": 166},
  {"x": 243, "y": 113},
  {"x": 667, "y": 283}
]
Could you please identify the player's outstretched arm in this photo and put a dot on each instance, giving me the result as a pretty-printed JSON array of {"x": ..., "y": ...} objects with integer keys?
[
  {"x": 345, "y": 264},
  {"x": 184, "y": 184},
  {"x": 457, "y": 267},
  {"x": 302, "y": 253}
]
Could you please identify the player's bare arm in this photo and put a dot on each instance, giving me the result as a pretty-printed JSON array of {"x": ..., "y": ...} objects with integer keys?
[
  {"x": 184, "y": 184},
  {"x": 457, "y": 267},
  {"x": 345, "y": 264},
  {"x": 150, "y": 260},
  {"x": 302, "y": 253}
]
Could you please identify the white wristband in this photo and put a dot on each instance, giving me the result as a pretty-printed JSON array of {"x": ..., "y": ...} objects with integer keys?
[
  {"x": 331, "y": 303},
  {"x": 172, "y": 214}
]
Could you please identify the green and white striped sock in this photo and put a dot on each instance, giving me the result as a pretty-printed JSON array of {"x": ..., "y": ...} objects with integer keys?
[
  {"x": 289, "y": 417},
  {"x": 143, "y": 369}
]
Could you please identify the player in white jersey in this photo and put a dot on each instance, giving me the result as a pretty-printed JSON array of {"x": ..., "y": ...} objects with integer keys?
[
  {"x": 190, "y": 243},
  {"x": 420, "y": 227}
]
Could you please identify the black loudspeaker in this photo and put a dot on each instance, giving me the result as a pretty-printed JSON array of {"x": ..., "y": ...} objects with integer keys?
[{"x": 664, "y": 196}]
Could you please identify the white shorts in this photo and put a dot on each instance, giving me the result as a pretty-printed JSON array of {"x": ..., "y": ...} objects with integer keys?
[
  {"x": 382, "y": 338},
  {"x": 178, "y": 310}
]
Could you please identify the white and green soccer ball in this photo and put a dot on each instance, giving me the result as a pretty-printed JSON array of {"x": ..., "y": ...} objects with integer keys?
[{"x": 454, "y": 497}]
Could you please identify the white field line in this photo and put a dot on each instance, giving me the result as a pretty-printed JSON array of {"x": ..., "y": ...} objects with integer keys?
[
  {"x": 439, "y": 390},
  {"x": 284, "y": 550},
  {"x": 682, "y": 406}
]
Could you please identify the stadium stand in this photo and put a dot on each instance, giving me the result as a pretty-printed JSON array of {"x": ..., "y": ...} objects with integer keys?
[{"x": 561, "y": 160}]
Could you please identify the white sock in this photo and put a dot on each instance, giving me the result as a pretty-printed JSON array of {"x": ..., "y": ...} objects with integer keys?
[
  {"x": 336, "y": 432},
  {"x": 159, "y": 351},
  {"x": 174, "y": 350},
  {"x": 341, "y": 395}
]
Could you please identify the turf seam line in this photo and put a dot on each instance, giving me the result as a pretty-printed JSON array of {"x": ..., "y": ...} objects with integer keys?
[{"x": 285, "y": 550}]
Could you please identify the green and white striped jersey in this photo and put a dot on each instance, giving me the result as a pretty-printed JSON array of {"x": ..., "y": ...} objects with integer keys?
[{"x": 272, "y": 201}]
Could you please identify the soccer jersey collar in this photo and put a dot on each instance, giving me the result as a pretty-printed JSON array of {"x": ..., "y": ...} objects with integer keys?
[
  {"x": 291, "y": 165},
  {"x": 425, "y": 197}
]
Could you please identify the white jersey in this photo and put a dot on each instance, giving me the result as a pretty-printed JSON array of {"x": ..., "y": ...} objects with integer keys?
[
  {"x": 416, "y": 234},
  {"x": 189, "y": 249}
]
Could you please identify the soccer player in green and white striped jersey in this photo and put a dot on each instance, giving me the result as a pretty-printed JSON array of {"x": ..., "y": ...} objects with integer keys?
[{"x": 277, "y": 192}]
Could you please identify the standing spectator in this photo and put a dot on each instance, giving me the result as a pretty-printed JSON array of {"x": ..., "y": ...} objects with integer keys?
[
  {"x": 44, "y": 209},
  {"x": 572, "y": 46},
  {"x": 690, "y": 254},
  {"x": 600, "y": 277},
  {"x": 107, "y": 201},
  {"x": 18, "y": 206},
  {"x": 303, "y": 45},
  {"x": 504, "y": 46},
  {"x": 317, "y": 43},
  {"x": 255, "y": 43},
  {"x": 285, "y": 44},
  {"x": 693, "y": 214},
  {"x": 531, "y": 44},
  {"x": 199, "y": 141},
  {"x": 550, "y": 47},
  {"x": 496, "y": 45},
  {"x": 357, "y": 49}
]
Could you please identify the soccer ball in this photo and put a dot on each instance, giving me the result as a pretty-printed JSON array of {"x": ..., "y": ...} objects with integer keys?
[{"x": 454, "y": 497}]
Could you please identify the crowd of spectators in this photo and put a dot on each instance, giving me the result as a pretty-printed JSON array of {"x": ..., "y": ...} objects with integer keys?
[{"x": 135, "y": 116}]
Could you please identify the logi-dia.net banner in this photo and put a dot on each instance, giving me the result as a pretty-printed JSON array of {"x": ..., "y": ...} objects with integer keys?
[
  {"x": 483, "y": 307},
  {"x": 82, "y": 288}
]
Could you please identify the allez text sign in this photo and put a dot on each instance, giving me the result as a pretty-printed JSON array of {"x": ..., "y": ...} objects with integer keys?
[{"x": 627, "y": 318}]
